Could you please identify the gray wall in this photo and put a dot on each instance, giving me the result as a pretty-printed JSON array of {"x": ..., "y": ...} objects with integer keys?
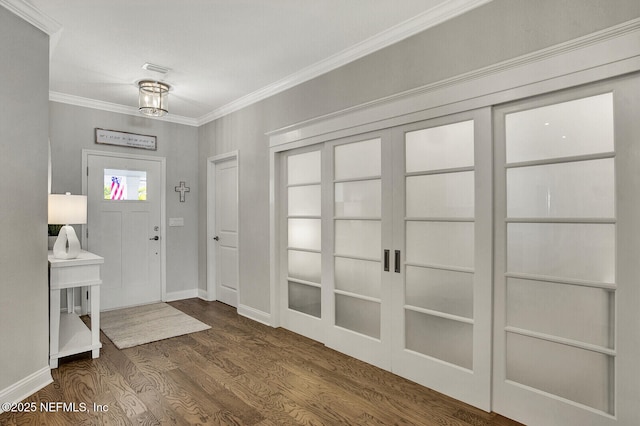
[
  {"x": 72, "y": 129},
  {"x": 497, "y": 31},
  {"x": 24, "y": 118}
]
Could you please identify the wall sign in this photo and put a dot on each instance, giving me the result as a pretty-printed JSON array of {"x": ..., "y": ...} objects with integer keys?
[{"x": 131, "y": 140}]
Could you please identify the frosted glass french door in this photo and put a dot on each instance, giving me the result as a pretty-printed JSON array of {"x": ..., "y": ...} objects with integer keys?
[
  {"x": 388, "y": 254},
  {"x": 359, "y": 239},
  {"x": 442, "y": 225},
  {"x": 567, "y": 258},
  {"x": 301, "y": 255}
]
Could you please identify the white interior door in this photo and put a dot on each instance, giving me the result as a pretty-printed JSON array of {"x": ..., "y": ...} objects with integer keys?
[
  {"x": 442, "y": 223},
  {"x": 301, "y": 304},
  {"x": 567, "y": 346},
  {"x": 224, "y": 240},
  {"x": 124, "y": 226},
  {"x": 389, "y": 250},
  {"x": 361, "y": 256}
]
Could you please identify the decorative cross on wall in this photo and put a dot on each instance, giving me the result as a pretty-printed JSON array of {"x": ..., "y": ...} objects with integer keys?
[{"x": 182, "y": 189}]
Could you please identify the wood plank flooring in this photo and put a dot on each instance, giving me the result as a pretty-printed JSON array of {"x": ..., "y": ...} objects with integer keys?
[{"x": 239, "y": 372}]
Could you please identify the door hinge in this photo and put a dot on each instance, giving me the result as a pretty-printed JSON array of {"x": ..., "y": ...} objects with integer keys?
[
  {"x": 87, "y": 233},
  {"x": 87, "y": 170}
]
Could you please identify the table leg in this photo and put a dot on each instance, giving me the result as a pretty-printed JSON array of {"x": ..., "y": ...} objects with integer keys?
[
  {"x": 54, "y": 327},
  {"x": 70, "y": 300},
  {"x": 95, "y": 321}
]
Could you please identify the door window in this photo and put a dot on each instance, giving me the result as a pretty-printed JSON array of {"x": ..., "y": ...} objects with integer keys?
[
  {"x": 125, "y": 185},
  {"x": 304, "y": 233}
]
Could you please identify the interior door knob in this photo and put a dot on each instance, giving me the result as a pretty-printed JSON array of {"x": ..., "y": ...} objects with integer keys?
[
  {"x": 216, "y": 238},
  {"x": 156, "y": 238}
]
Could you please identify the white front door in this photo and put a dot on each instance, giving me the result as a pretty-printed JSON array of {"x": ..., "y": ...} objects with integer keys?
[
  {"x": 124, "y": 226},
  {"x": 223, "y": 244}
]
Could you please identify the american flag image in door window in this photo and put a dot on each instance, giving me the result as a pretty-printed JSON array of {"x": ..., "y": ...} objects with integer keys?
[
  {"x": 125, "y": 185},
  {"x": 115, "y": 188}
]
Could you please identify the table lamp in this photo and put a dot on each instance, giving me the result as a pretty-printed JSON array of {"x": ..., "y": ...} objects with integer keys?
[{"x": 69, "y": 210}]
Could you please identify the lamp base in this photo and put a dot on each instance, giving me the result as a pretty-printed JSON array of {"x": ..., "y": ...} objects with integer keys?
[{"x": 67, "y": 245}]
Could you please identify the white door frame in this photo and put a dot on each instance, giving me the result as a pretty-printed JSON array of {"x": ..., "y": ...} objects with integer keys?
[
  {"x": 211, "y": 225},
  {"x": 163, "y": 203}
]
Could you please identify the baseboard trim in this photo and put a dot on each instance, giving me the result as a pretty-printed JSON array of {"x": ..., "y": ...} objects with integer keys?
[
  {"x": 255, "y": 314},
  {"x": 26, "y": 387},
  {"x": 204, "y": 295},
  {"x": 183, "y": 294}
]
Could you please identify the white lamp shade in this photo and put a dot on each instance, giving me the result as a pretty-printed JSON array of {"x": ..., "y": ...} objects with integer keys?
[{"x": 67, "y": 209}]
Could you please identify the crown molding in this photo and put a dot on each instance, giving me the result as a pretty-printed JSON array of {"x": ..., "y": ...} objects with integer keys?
[
  {"x": 117, "y": 108},
  {"x": 408, "y": 28},
  {"x": 35, "y": 17},
  {"x": 603, "y": 54},
  {"x": 32, "y": 15}
]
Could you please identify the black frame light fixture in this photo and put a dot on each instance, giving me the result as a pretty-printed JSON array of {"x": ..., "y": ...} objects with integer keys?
[{"x": 153, "y": 98}]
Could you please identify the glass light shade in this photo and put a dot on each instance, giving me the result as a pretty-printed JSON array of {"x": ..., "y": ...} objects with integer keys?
[
  {"x": 67, "y": 209},
  {"x": 153, "y": 98}
]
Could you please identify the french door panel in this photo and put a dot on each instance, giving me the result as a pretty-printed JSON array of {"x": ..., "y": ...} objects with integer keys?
[
  {"x": 401, "y": 253},
  {"x": 358, "y": 232},
  {"x": 442, "y": 222},
  {"x": 566, "y": 288},
  {"x": 301, "y": 263}
]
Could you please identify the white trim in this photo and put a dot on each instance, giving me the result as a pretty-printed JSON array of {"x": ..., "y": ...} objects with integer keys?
[
  {"x": 203, "y": 294},
  {"x": 274, "y": 238},
  {"x": 255, "y": 314},
  {"x": 224, "y": 157},
  {"x": 35, "y": 17},
  {"x": 211, "y": 293},
  {"x": 117, "y": 108},
  {"x": 182, "y": 294},
  {"x": 603, "y": 54},
  {"x": 163, "y": 203},
  {"x": 406, "y": 29},
  {"x": 26, "y": 387}
]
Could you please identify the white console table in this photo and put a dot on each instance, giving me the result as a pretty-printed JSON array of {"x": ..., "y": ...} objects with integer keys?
[{"x": 68, "y": 335}]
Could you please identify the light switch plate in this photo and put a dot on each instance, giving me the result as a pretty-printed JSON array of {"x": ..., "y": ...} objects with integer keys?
[{"x": 176, "y": 221}]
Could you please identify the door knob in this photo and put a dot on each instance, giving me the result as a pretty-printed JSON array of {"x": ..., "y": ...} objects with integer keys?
[
  {"x": 216, "y": 238},
  {"x": 156, "y": 238}
]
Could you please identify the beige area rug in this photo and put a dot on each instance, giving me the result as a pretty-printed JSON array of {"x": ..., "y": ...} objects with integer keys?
[{"x": 143, "y": 324}]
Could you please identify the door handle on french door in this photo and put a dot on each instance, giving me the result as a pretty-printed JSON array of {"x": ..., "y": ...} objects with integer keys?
[
  {"x": 397, "y": 261},
  {"x": 386, "y": 260},
  {"x": 156, "y": 238},
  {"x": 216, "y": 238}
]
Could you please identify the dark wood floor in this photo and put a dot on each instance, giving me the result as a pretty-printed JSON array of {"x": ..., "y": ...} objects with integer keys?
[{"x": 239, "y": 372}]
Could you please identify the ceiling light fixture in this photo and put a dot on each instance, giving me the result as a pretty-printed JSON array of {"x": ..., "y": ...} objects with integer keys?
[{"x": 153, "y": 98}]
